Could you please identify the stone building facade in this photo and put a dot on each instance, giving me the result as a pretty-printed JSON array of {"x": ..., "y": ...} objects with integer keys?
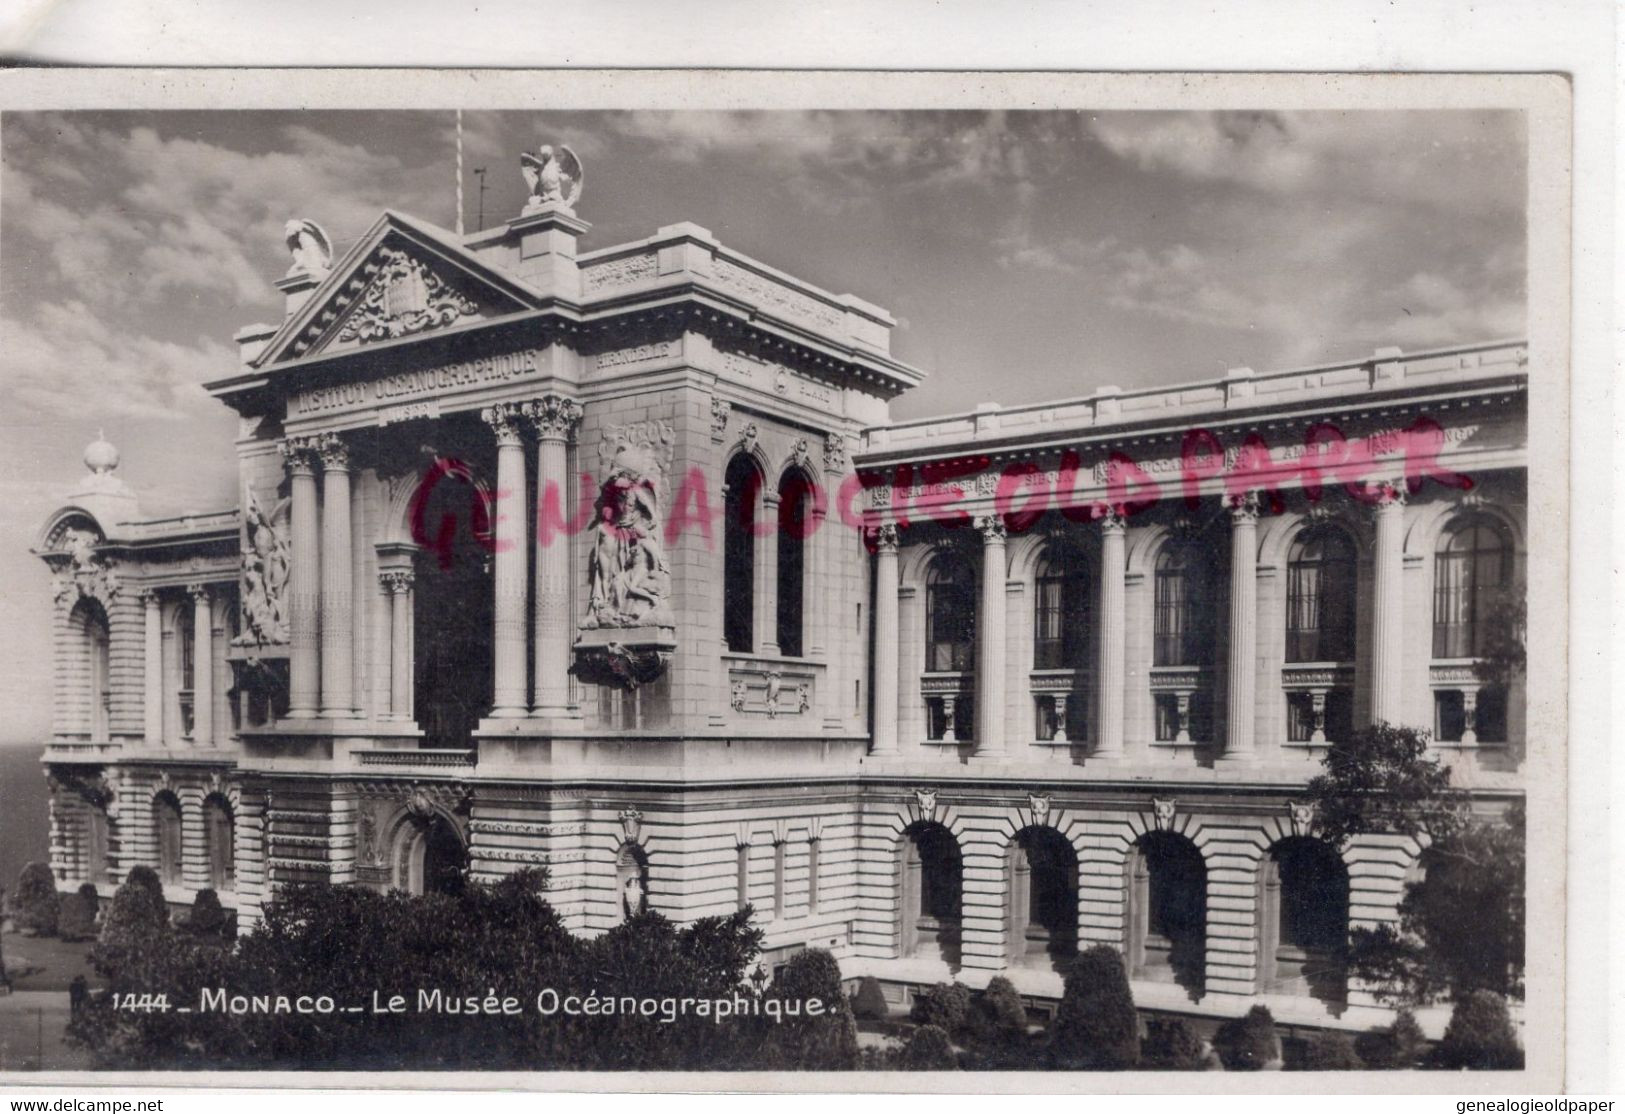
[{"x": 612, "y": 562}]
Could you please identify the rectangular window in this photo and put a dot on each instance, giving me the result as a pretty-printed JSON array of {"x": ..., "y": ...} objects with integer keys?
[
  {"x": 742, "y": 874},
  {"x": 778, "y": 880},
  {"x": 1303, "y": 612},
  {"x": 1300, "y": 717},
  {"x": 1491, "y": 719},
  {"x": 1449, "y": 716},
  {"x": 1172, "y": 614},
  {"x": 812, "y": 876}
]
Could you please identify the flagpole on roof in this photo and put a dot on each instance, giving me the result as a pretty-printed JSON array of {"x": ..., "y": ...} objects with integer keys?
[{"x": 459, "y": 172}]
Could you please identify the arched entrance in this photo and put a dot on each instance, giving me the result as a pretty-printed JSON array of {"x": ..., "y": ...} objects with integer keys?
[
  {"x": 1043, "y": 921},
  {"x": 1304, "y": 920},
  {"x": 1167, "y": 883},
  {"x": 431, "y": 857},
  {"x": 932, "y": 888}
]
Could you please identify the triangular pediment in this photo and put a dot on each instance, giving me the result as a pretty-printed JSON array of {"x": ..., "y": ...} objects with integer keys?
[{"x": 404, "y": 278}]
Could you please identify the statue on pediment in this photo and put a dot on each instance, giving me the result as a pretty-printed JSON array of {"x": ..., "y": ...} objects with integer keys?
[
  {"x": 312, "y": 251},
  {"x": 265, "y": 576},
  {"x": 554, "y": 177}
]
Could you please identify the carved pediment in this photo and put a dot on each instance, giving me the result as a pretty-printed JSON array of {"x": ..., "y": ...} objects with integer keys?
[{"x": 400, "y": 280}]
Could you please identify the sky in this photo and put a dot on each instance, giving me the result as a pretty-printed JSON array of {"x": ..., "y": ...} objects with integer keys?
[{"x": 1044, "y": 254}]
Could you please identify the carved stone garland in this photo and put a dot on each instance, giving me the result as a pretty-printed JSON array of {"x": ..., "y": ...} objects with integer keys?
[{"x": 405, "y": 297}]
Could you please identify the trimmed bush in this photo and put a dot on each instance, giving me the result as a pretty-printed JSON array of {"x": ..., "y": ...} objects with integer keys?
[
  {"x": 136, "y": 923},
  {"x": 1249, "y": 1043},
  {"x": 1001, "y": 1009},
  {"x": 147, "y": 879},
  {"x": 869, "y": 1003},
  {"x": 829, "y": 1041},
  {"x": 945, "y": 1006},
  {"x": 1172, "y": 1046},
  {"x": 1096, "y": 1026},
  {"x": 1400, "y": 1047},
  {"x": 929, "y": 1049},
  {"x": 1331, "y": 1052},
  {"x": 77, "y": 918},
  {"x": 208, "y": 916},
  {"x": 36, "y": 906},
  {"x": 1480, "y": 1035},
  {"x": 93, "y": 898}
]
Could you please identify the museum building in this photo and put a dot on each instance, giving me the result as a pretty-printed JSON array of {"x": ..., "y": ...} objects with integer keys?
[{"x": 612, "y": 562}]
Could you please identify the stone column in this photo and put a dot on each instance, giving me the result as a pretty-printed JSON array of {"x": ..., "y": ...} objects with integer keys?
[
  {"x": 766, "y": 525},
  {"x": 202, "y": 666},
  {"x": 554, "y": 420},
  {"x": 153, "y": 670},
  {"x": 990, "y": 641},
  {"x": 510, "y": 539},
  {"x": 1243, "y": 665},
  {"x": 1112, "y": 634},
  {"x": 884, "y": 693},
  {"x": 338, "y": 665},
  {"x": 398, "y": 583},
  {"x": 1388, "y": 610},
  {"x": 304, "y": 580}
]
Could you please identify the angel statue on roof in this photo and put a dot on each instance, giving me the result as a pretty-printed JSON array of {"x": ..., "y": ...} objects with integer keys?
[{"x": 554, "y": 177}]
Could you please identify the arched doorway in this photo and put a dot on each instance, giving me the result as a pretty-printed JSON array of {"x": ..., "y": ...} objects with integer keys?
[
  {"x": 453, "y": 603},
  {"x": 1043, "y": 922},
  {"x": 932, "y": 889},
  {"x": 431, "y": 857},
  {"x": 1304, "y": 920},
  {"x": 1167, "y": 892}
]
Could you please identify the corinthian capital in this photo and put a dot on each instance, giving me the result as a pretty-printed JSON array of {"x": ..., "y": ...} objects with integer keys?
[
  {"x": 503, "y": 418},
  {"x": 299, "y": 454},
  {"x": 885, "y": 537},
  {"x": 554, "y": 418},
  {"x": 991, "y": 527},
  {"x": 334, "y": 452},
  {"x": 1243, "y": 507}
]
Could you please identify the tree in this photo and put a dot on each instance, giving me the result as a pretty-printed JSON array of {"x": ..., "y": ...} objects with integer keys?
[
  {"x": 208, "y": 915},
  {"x": 1399, "y": 1047},
  {"x": 1172, "y": 1046},
  {"x": 822, "y": 1041},
  {"x": 1480, "y": 1036},
  {"x": 945, "y": 1005},
  {"x": 1096, "y": 1027},
  {"x": 1330, "y": 1051},
  {"x": 1249, "y": 1043},
  {"x": 35, "y": 906},
  {"x": 929, "y": 1049},
  {"x": 1381, "y": 779},
  {"x": 869, "y": 1003},
  {"x": 77, "y": 920}
]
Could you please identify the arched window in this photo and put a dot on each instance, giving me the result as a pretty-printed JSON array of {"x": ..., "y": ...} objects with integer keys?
[
  {"x": 1061, "y": 610},
  {"x": 1043, "y": 897},
  {"x": 1472, "y": 571},
  {"x": 742, "y": 484},
  {"x": 89, "y": 625},
  {"x": 631, "y": 881},
  {"x": 166, "y": 822},
  {"x": 932, "y": 888},
  {"x": 1304, "y": 920},
  {"x": 950, "y": 615},
  {"x": 95, "y": 843},
  {"x": 1320, "y": 596},
  {"x": 796, "y": 518},
  {"x": 219, "y": 839},
  {"x": 1185, "y": 618},
  {"x": 1168, "y": 911},
  {"x": 185, "y": 667}
]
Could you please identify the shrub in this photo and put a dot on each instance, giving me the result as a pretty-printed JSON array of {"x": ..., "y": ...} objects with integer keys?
[
  {"x": 36, "y": 906},
  {"x": 1399, "y": 1047},
  {"x": 1001, "y": 1009},
  {"x": 208, "y": 915},
  {"x": 137, "y": 920},
  {"x": 945, "y": 1006},
  {"x": 1096, "y": 1027},
  {"x": 826, "y": 1042},
  {"x": 1172, "y": 1046},
  {"x": 77, "y": 919},
  {"x": 1480, "y": 1035},
  {"x": 869, "y": 1003},
  {"x": 929, "y": 1049},
  {"x": 147, "y": 879},
  {"x": 1249, "y": 1043},
  {"x": 88, "y": 891},
  {"x": 1330, "y": 1051}
]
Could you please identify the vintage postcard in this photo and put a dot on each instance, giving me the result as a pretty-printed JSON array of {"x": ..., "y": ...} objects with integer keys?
[{"x": 808, "y": 579}]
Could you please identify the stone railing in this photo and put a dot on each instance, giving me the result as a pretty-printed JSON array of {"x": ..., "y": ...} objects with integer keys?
[
  {"x": 948, "y": 696},
  {"x": 1174, "y": 689},
  {"x": 418, "y": 758},
  {"x": 1059, "y": 694}
]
